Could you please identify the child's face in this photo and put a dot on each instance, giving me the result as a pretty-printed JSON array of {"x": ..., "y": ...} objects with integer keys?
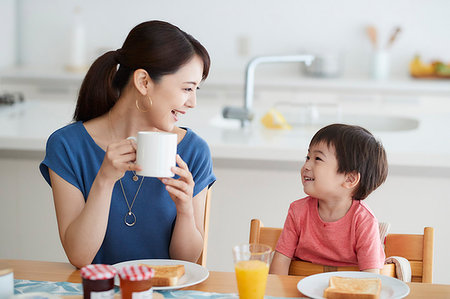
[{"x": 320, "y": 177}]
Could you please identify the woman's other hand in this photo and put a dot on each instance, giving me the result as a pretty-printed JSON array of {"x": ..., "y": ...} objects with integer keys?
[
  {"x": 119, "y": 158},
  {"x": 181, "y": 189}
]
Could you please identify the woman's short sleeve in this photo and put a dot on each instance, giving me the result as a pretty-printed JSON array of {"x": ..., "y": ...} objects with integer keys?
[
  {"x": 195, "y": 152},
  {"x": 59, "y": 157}
]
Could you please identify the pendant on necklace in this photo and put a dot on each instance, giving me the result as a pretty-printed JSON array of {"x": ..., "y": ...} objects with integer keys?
[
  {"x": 135, "y": 178},
  {"x": 132, "y": 216}
]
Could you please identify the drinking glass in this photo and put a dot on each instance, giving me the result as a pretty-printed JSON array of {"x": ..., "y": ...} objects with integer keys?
[{"x": 251, "y": 264}]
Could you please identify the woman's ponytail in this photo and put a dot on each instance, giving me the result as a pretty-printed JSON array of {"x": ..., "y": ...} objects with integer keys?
[
  {"x": 158, "y": 47},
  {"x": 97, "y": 94}
]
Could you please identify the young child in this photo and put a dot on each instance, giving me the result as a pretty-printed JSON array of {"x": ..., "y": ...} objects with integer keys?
[{"x": 333, "y": 226}]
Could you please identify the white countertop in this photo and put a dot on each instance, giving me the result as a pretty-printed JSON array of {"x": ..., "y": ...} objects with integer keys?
[
  {"x": 26, "y": 127},
  {"x": 264, "y": 79}
]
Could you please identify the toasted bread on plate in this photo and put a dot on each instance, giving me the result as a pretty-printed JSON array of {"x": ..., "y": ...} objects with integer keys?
[
  {"x": 347, "y": 287},
  {"x": 166, "y": 275}
]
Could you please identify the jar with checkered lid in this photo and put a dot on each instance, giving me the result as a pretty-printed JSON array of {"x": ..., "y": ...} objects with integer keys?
[
  {"x": 98, "y": 281},
  {"x": 135, "y": 282}
]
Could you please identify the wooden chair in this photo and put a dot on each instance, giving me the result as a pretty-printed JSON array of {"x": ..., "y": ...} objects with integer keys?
[
  {"x": 418, "y": 249},
  {"x": 202, "y": 259}
]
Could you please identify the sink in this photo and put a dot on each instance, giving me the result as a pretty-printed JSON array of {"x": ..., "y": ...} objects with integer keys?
[
  {"x": 376, "y": 123},
  {"x": 373, "y": 123}
]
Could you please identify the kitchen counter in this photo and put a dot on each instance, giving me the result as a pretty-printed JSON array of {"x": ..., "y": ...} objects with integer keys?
[
  {"x": 25, "y": 127},
  {"x": 56, "y": 80}
]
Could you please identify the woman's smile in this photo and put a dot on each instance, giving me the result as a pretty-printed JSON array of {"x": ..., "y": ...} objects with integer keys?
[{"x": 176, "y": 114}]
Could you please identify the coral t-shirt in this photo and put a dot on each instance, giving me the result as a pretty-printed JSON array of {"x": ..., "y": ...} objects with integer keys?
[{"x": 353, "y": 240}]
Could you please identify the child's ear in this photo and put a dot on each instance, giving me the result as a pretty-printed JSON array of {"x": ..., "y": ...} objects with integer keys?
[{"x": 352, "y": 179}]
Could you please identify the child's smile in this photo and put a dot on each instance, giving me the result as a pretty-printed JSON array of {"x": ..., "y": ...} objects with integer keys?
[{"x": 320, "y": 175}]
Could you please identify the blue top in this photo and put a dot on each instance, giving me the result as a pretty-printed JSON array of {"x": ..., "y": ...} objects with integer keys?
[{"x": 73, "y": 155}]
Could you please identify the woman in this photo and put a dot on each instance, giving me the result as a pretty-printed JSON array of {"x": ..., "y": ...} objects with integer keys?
[{"x": 105, "y": 212}]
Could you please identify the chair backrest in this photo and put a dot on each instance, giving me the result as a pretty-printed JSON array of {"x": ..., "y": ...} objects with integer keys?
[
  {"x": 396, "y": 245},
  {"x": 417, "y": 249},
  {"x": 202, "y": 259},
  {"x": 269, "y": 236}
]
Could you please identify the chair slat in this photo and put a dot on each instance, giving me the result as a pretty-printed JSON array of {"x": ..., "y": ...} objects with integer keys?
[
  {"x": 407, "y": 246},
  {"x": 202, "y": 259},
  {"x": 269, "y": 236}
]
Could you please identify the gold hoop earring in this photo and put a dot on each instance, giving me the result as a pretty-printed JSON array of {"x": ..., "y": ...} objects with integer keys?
[{"x": 142, "y": 110}]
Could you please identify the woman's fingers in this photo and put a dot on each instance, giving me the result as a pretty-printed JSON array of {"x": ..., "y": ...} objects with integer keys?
[
  {"x": 183, "y": 170},
  {"x": 182, "y": 188},
  {"x": 178, "y": 193},
  {"x": 119, "y": 158},
  {"x": 181, "y": 163},
  {"x": 177, "y": 184},
  {"x": 124, "y": 147}
]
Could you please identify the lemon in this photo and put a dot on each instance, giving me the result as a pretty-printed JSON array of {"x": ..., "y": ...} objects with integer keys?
[{"x": 273, "y": 119}]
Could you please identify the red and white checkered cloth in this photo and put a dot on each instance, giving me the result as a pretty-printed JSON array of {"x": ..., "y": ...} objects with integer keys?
[
  {"x": 98, "y": 272},
  {"x": 136, "y": 272}
]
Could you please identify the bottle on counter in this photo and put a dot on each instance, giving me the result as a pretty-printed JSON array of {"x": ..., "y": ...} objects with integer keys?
[
  {"x": 98, "y": 281},
  {"x": 77, "y": 60},
  {"x": 135, "y": 282}
]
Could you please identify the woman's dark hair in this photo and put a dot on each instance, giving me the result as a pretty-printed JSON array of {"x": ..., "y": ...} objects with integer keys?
[
  {"x": 158, "y": 47},
  {"x": 357, "y": 150}
]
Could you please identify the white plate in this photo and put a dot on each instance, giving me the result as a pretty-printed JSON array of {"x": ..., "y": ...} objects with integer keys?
[
  {"x": 194, "y": 273},
  {"x": 314, "y": 285}
]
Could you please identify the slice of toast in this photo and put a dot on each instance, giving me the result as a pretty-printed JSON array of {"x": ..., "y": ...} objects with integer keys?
[
  {"x": 347, "y": 287},
  {"x": 166, "y": 275}
]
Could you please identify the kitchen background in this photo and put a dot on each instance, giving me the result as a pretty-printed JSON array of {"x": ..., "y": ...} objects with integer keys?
[{"x": 46, "y": 44}]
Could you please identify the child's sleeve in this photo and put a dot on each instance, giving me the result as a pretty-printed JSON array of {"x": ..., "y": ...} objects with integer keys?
[
  {"x": 288, "y": 241},
  {"x": 369, "y": 251}
]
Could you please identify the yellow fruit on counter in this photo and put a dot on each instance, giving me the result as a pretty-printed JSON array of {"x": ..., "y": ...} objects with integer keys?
[
  {"x": 419, "y": 69},
  {"x": 273, "y": 119}
]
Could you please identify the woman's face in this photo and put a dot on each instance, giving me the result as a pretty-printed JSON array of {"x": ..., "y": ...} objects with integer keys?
[{"x": 175, "y": 94}]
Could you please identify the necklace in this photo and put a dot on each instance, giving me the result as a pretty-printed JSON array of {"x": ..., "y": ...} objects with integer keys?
[
  {"x": 135, "y": 177},
  {"x": 130, "y": 214}
]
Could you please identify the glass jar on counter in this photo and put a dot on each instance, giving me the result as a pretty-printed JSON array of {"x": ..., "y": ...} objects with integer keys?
[
  {"x": 135, "y": 282},
  {"x": 98, "y": 281}
]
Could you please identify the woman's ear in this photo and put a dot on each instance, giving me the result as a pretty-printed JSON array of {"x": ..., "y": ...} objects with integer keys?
[
  {"x": 142, "y": 81},
  {"x": 352, "y": 179}
]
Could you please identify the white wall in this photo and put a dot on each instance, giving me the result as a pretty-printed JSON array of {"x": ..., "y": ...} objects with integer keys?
[
  {"x": 267, "y": 27},
  {"x": 7, "y": 33}
]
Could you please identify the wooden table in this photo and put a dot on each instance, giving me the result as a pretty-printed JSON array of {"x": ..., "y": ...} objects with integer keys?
[{"x": 220, "y": 282}]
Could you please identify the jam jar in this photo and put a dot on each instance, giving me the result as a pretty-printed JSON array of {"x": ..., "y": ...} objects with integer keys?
[
  {"x": 135, "y": 282},
  {"x": 98, "y": 281}
]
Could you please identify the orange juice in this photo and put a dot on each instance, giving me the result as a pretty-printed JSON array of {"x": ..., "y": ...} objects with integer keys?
[{"x": 251, "y": 278}]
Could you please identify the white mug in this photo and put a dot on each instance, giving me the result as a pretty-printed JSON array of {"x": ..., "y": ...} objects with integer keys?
[{"x": 156, "y": 153}]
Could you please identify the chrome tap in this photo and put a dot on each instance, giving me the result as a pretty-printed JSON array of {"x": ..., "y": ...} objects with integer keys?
[{"x": 245, "y": 114}]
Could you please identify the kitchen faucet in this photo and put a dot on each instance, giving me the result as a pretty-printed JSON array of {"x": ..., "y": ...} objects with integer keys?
[{"x": 245, "y": 114}]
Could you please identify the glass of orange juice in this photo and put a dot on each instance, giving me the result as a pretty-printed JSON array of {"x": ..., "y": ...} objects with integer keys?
[{"x": 251, "y": 264}]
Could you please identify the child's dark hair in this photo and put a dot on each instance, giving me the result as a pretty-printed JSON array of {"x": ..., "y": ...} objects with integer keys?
[{"x": 357, "y": 150}]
